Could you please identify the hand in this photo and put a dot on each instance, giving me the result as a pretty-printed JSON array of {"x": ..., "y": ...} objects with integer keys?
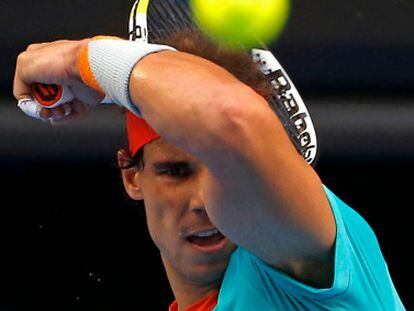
[
  {"x": 66, "y": 113},
  {"x": 53, "y": 63}
]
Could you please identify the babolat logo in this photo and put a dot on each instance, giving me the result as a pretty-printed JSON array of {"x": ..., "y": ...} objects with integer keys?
[
  {"x": 285, "y": 97},
  {"x": 288, "y": 104}
]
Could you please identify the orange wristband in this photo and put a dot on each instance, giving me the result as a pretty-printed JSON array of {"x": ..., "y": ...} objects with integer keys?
[
  {"x": 106, "y": 64},
  {"x": 85, "y": 70}
]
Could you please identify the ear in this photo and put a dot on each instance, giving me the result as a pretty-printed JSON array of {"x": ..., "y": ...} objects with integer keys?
[{"x": 131, "y": 177}]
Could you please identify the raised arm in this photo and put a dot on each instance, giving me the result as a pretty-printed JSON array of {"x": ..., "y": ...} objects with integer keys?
[{"x": 260, "y": 192}]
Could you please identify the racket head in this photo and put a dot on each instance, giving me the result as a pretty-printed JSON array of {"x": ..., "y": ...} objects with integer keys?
[{"x": 155, "y": 20}]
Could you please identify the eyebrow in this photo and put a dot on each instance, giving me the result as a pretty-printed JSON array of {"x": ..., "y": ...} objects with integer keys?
[{"x": 164, "y": 164}]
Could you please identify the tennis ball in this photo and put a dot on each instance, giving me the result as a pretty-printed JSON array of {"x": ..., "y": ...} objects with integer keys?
[{"x": 241, "y": 23}]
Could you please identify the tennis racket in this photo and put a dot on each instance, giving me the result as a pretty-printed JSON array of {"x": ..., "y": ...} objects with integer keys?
[{"x": 154, "y": 20}]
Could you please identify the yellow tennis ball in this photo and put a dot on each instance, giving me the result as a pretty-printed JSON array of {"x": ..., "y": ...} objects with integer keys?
[{"x": 241, "y": 23}]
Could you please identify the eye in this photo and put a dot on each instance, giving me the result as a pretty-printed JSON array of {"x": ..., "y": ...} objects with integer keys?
[{"x": 177, "y": 172}]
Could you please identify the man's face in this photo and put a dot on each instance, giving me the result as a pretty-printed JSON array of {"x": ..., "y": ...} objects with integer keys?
[{"x": 171, "y": 187}]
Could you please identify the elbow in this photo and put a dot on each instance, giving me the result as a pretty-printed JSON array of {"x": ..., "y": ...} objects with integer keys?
[
  {"x": 226, "y": 122},
  {"x": 236, "y": 100},
  {"x": 240, "y": 111}
]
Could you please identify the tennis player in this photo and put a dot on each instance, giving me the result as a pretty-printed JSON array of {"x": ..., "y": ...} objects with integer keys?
[{"x": 241, "y": 221}]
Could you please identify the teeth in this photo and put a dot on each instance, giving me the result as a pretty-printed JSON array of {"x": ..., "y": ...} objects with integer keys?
[{"x": 206, "y": 233}]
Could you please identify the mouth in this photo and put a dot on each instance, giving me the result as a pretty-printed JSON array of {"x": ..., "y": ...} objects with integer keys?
[{"x": 208, "y": 240}]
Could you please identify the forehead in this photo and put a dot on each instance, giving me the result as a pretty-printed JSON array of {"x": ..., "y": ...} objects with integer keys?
[{"x": 161, "y": 150}]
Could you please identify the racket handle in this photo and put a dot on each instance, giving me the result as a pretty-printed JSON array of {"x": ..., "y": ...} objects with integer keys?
[{"x": 51, "y": 95}]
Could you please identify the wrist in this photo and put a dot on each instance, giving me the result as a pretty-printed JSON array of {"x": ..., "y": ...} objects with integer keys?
[
  {"x": 76, "y": 57},
  {"x": 106, "y": 65}
]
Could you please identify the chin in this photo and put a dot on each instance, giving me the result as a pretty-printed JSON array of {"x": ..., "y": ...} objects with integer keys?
[
  {"x": 206, "y": 274},
  {"x": 208, "y": 271},
  {"x": 198, "y": 266}
]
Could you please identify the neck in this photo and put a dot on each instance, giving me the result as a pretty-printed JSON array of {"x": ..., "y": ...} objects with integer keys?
[{"x": 185, "y": 291}]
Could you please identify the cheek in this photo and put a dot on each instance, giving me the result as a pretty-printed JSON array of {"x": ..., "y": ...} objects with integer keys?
[
  {"x": 164, "y": 198},
  {"x": 164, "y": 207}
]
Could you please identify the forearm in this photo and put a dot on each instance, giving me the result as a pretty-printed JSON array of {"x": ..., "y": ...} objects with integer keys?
[{"x": 179, "y": 94}]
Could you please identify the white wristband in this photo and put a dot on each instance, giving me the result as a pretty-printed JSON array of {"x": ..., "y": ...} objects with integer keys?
[{"x": 112, "y": 61}]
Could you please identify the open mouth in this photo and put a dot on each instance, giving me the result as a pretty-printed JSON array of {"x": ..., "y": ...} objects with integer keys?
[{"x": 206, "y": 238}]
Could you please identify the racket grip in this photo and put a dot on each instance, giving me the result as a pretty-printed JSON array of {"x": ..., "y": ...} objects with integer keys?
[{"x": 51, "y": 95}]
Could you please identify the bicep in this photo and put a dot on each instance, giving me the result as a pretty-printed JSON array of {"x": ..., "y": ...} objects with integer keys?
[{"x": 262, "y": 195}]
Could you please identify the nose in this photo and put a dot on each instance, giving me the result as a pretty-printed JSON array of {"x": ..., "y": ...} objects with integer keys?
[{"x": 197, "y": 202}]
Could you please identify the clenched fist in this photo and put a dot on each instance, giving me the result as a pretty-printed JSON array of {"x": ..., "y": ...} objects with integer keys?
[{"x": 54, "y": 63}]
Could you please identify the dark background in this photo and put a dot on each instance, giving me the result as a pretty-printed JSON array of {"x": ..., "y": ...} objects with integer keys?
[{"x": 70, "y": 240}]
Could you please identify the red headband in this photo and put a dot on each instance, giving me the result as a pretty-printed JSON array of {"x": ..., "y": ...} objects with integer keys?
[{"x": 139, "y": 133}]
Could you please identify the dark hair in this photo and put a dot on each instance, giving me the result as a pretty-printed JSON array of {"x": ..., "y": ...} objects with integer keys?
[
  {"x": 240, "y": 64},
  {"x": 137, "y": 160}
]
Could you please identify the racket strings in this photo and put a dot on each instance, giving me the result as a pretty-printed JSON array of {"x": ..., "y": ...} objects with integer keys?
[
  {"x": 159, "y": 25},
  {"x": 186, "y": 11},
  {"x": 159, "y": 21},
  {"x": 176, "y": 16},
  {"x": 167, "y": 17}
]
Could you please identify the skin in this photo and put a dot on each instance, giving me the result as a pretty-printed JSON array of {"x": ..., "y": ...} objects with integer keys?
[
  {"x": 174, "y": 207},
  {"x": 251, "y": 177},
  {"x": 61, "y": 72}
]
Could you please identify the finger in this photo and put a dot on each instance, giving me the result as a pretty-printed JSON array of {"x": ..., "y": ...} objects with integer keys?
[
  {"x": 30, "y": 108},
  {"x": 21, "y": 90},
  {"x": 78, "y": 112},
  {"x": 57, "y": 114},
  {"x": 32, "y": 67},
  {"x": 66, "y": 120},
  {"x": 36, "y": 46},
  {"x": 45, "y": 114},
  {"x": 79, "y": 108},
  {"x": 67, "y": 108}
]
